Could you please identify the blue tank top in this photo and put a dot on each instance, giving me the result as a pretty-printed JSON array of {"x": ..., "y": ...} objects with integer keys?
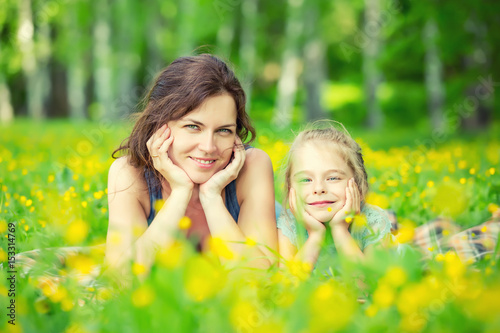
[{"x": 231, "y": 200}]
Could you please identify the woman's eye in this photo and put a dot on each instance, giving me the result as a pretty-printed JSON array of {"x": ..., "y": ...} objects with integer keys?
[
  {"x": 192, "y": 126},
  {"x": 225, "y": 130}
]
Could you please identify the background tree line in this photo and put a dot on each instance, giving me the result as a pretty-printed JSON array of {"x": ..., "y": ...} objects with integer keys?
[{"x": 372, "y": 62}]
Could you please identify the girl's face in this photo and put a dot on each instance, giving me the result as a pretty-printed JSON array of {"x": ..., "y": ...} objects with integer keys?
[
  {"x": 319, "y": 176},
  {"x": 204, "y": 138}
]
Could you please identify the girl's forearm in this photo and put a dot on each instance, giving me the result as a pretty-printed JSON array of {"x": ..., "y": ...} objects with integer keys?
[
  {"x": 222, "y": 225},
  {"x": 311, "y": 249},
  {"x": 345, "y": 244}
]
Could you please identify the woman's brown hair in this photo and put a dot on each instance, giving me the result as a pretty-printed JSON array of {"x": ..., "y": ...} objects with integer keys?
[{"x": 179, "y": 89}]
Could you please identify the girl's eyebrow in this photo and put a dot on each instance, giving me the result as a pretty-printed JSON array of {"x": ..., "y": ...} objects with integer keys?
[
  {"x": 342, "y": 172},
  {"x": 190, "y": 120},
  {"x": 301, "y": 172}
]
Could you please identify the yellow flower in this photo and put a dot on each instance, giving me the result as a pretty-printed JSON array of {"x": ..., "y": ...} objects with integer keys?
[
  {"x": 3, "y": 226},
  {"x": 51, "y": 178},
  {"x": 86, "y": 187},
  {"x": 371, "y": 311},
  {"x": 418, "y": 169},
  {"x": 396, "y": 276},
  {"x": 450, "y": 199},
  {"x": 453, "y": 266},
  {"x": 171, "y": 257},
  {"x": 76, "y": 232},
  {"x": 138, "y": 269},
  {"x": 143, "y": 296},
  {"x": 219, "y": 248},
  {"x": 82, "y": 263},
  {"x": 463, "y": 180},
  {"x": 406, "y": 231},
  {"x": 250, "y": 242},
  {"x": 472, "y": 171},
  {"x": 159, "y": 204},
  {"x": 378, "y": 200},
  {"x": 491, "y": 171},
  {"x": 299, "y": 269},
  {"x": 340, "y": 303},
  {"x": 185, "y": 223},
  {"x": 66, "y": 305},
  {"x": 492, "y": 208},
  {"x": 462, "y": 164},
  {"x": 430, "y": 183},
  {"x": 84, "y": 204},
  {"x": 202, "y": 279},
  {"x": 384, "y": 296},
  {"x": 75, "y": 177}
]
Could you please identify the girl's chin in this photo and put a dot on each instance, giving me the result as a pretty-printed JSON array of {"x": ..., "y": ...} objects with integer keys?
[{"x": 323, "y": 217}]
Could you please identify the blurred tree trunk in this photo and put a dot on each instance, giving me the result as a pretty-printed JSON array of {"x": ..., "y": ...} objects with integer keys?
[
  {"x": 314, "y": 63},
  {"x": 102, "y": 73},
  {"x": 477, "y": 108},
  {"x": 225, "y": 36},
  {"x": 126, "y": 58},
  {"x": 371, "y": 74},
  {"x": 187, "y": 16},
  {"x": 36, "y": 73},
  {"x": 290, "y": 65},
  {"x": 76, "y": 66},
  {"x": 6, "y": 110},
  {"x": 248, "y": 46},
  {"x": 433, "y": 74}
]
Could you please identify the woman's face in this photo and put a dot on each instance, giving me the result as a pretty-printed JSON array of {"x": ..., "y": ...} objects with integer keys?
[
  {"x": 204, "y": 138},
  {"x": 319, "y": 176}
]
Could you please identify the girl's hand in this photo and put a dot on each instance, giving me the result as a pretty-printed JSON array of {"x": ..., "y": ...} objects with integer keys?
[
  {"x": 158, "y": 146},
  {"x": 352, "y": 205},
  {"x": 214, "y": 186},
  {"x": 298, "y": 210}
]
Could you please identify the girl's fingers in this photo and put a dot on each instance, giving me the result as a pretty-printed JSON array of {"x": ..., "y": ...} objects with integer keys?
[{"x": 291, "y": 200}]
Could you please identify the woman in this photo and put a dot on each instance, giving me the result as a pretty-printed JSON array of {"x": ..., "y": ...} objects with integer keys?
[{"x": 186, "y": 148}]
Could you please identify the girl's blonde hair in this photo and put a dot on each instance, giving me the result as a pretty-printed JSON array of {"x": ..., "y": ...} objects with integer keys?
[{"x": 327, "y": 132}]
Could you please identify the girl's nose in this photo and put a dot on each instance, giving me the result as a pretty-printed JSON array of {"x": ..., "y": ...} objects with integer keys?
[{"x": 319, "y": 188}]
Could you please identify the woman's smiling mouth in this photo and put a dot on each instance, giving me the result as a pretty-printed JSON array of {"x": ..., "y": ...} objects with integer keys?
[{"x": 203, "y": 162}]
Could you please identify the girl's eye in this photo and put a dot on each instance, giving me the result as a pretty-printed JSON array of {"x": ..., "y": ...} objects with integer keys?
[
  {"x": 334, "y": 178},
  {"x": 305, "y": 180},
  {"x": 192, "y": 126}
]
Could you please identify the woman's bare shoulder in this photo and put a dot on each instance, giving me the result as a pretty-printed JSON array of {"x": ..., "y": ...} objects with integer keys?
[{"x": 123, "y": 176}]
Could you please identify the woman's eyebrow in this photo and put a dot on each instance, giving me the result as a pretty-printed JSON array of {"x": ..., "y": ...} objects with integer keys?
[{"x": 190, "y": 120}]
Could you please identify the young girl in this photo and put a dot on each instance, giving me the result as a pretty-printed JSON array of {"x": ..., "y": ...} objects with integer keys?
[{"x": 326, "y": 183}]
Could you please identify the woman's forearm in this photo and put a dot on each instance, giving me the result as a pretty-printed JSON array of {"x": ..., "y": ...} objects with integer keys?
[
  {"x": 160, "y": 233},
  {"x": 222, "y": 226}
]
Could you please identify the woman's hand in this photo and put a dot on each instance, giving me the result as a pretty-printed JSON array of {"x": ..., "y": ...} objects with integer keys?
[
  {"x": 158, "y": 146},
  {"x": 214, "y": 186},
  {"x": 298, "y": 210},
  {"x": 352, "y": 205}
]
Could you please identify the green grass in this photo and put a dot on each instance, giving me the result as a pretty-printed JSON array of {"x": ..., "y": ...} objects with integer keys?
[{"x": 53, "y": 181}]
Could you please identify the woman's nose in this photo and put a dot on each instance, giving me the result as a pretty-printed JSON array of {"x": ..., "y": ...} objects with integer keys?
[{"x": 207, "y": 144}]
